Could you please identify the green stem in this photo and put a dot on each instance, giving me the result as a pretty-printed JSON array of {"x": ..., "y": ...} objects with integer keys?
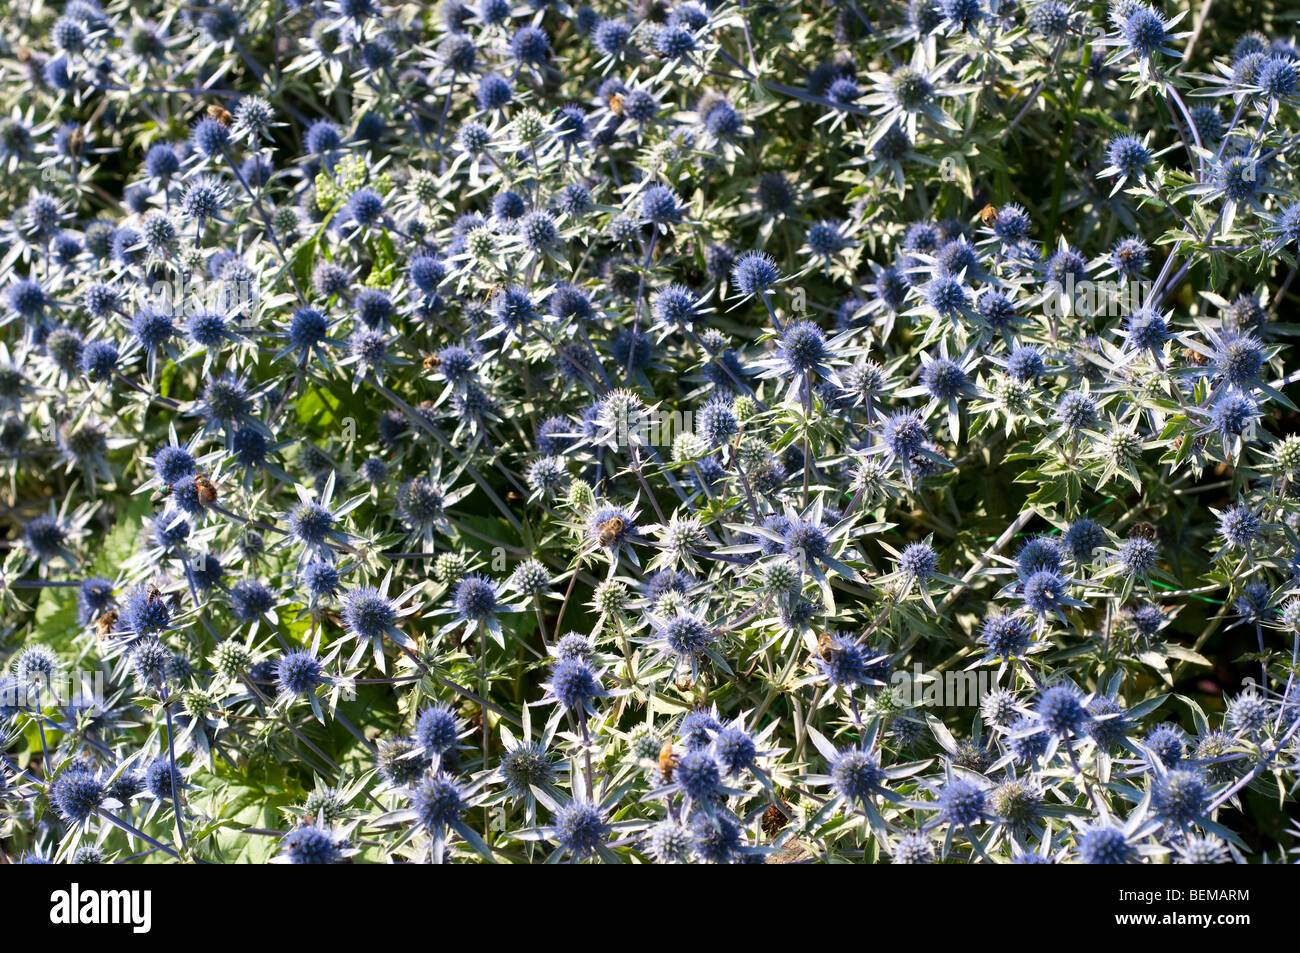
[{"x": 1063, "y": 150}]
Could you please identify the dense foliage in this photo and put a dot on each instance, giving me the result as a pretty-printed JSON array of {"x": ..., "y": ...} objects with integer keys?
[{"x": 692, "y": 432}]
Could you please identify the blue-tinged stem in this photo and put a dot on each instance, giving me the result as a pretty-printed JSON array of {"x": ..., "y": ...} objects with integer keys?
[{"x": 171, "y": 760}]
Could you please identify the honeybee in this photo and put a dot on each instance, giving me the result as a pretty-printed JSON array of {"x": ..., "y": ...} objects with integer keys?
[
  {"x": 1143, "y": 529},
  {"x": 825, "y": 646},
  {"x": 608, "y": 532},
  {"x": 220, "y": 114},
  {"x": 153, "y": 592},
  {"x": 206, "y": 488},
  {"x": 989, "y": 215},
  {"x": 105, "y": 623},
  {"x": 512, "y": 496},
  {"x": 76, "y": 139},
  {"x": 667, "y": 761},
  {"x": 432, "y": 362},
  {"x": 615, "y": 103}
]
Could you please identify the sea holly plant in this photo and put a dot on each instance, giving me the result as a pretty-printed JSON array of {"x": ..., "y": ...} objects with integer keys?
[{"x": 675, "y": 433}]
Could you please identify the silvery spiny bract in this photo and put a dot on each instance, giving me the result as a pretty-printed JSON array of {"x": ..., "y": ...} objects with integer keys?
[{"x": 672, "y": 432}]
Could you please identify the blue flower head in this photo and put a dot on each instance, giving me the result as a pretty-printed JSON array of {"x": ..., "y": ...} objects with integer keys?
[
  {"x": 754, "y": 272},
  {"x": 803, "y": 348},
  {"x": 675, "y": 42},
  {"x": 579, "y": 829},
  {"x": 1105, "y": 844},
  {"x": 574, "y": 683},
  {"x": 1179, "y": 798},
  {"x": 961, "y": 803},
  {"x": 1129, "y": 155},
  {"x": 367, "y": 613},
  {"x": 475, "y": 597},
  {"x": 437, "y": 729},
  {"x": 298, "y": 673},
  {"x": 310, "y": 844},
  {"x": 1005, "y": 635},
  {"x": 1060, "y": 710},
  {"x": 856, "y": 775},
  {"x": 1144, "y": 31},
  {"x": 210, "y": 138},
  {"x": 438, "y": 802}
]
